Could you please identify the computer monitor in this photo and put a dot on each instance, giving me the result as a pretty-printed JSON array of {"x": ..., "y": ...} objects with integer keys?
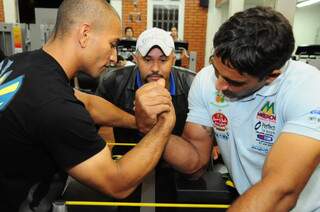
[
  {"x": 126, "y": 48},
  {"x": 308, "y": 50},
  {"x": 127, "y": 44},
  {"x": 181, "y": 45}
]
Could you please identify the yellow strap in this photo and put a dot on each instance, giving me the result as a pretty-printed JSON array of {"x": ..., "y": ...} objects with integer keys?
[
  {"x": 143, "y": 204},
  {"x": 120, "y": 144},
  {"x": 230, "y": 183}
]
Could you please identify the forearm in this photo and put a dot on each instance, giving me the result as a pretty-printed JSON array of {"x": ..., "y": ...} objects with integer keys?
[
  {"x": 182, "y": 155},
  {"x": 139, "y": 161},
  {"x": 119, "y": 178},
  {"x": 284, "y": 176},
  {"x": 265, "y": 197},
  {"x": 190, "y": 153},
  {"x": 105, "y": 113}
]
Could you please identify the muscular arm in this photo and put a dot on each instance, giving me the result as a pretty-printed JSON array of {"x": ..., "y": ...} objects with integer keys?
[
  {"x": 190, "y": 153},
  {"x": 290, "y": 163},
  {"x": 120, "y": 178},
  {"x": 105, "y": 113}
]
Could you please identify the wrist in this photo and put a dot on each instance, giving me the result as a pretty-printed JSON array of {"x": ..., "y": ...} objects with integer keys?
[
  {"x": 132, "y": 122},
  {"x": 163, "y": 125}
]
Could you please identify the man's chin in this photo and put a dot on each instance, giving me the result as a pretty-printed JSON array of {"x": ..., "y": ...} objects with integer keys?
[
  {"x": 96, "y": 73},
  {"x": 228, "y": 95},
  {"x": 101, "y": 71},
  {"x": 231, "y": 97}
]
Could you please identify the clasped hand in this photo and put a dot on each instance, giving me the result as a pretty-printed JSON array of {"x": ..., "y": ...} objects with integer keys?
[{"x": 152, "y": 104}]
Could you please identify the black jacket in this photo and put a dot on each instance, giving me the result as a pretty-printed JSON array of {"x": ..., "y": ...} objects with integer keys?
[{"x": 119, "y": 87}]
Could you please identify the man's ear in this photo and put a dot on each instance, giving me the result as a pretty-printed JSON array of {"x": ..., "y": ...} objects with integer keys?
[
  {"x": 135, "y": 59},
  {"x": 272, "y": 76},
  {"x": 83, "y": 34},
  {"x": 174, "y": 59}
]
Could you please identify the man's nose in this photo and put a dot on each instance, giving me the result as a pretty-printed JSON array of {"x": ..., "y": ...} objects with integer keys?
[
  {"x": 221, "y": 84},
  {"x": 155, "y": 66}
]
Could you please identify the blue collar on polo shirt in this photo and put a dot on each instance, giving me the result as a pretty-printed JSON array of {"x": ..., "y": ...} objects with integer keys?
[{"x": 172, "y": 89}]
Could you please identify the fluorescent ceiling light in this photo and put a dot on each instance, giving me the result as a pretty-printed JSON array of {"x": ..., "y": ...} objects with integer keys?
[{"x": 307, "y": 3}]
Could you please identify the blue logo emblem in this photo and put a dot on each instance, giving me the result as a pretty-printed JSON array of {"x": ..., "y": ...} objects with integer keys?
[
  {"x": 257, "y": 126},
  {"x": 265, "y": 137},
  {"x": 315, "y": 112}
]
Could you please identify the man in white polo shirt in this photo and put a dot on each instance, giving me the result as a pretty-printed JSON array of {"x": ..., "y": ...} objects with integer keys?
[{"x": 264, "y": 112}]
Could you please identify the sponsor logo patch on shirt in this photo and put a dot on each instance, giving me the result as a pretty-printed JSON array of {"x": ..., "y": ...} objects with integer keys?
[
  {"x": 224, "y": 135},
  {"x": 265, "y": 133},
  {"x": 266, "y": 113},
  {"x": 220, "y": 100},
  {"x": 265, "y": 137},
  {"x": 315, "y": 112},
  {"x": 220, "y": 121},
  {"x": 314, "y": 118}
]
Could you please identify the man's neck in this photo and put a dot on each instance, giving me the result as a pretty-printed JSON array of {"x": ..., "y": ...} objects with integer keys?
[{"x": 63, "y": 54}]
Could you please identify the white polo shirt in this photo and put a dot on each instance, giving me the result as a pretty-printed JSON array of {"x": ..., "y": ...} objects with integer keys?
[{"x": 246, "y": 129}]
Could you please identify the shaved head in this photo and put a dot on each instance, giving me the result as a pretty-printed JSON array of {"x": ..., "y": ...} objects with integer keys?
[{"x": 97, "y": 13}]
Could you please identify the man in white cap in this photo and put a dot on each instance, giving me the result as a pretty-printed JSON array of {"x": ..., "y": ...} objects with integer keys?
[{"x": 155, "y": 59}]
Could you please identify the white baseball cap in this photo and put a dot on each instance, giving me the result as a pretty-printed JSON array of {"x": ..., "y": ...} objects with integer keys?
[{"x": 155, "y": 37}]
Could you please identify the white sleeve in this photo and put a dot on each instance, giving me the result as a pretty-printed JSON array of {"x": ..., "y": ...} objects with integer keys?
[
  {"x": 302, "y": 109},
  {"x": 197, "y": 100}
]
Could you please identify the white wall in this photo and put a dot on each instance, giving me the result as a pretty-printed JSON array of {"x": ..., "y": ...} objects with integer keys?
[
  {"x": 306, "y": 26},
  {"x": 117, "y": 5},
  {"x": 253, "y": 3},
  {"x": 224, "y": 12},
  {"x": 10, "y": 11},
  {"x": 235, "y": 6},
  {"x": 216, "y": 16},
  {"x": 45, "y": 15},
  {"x": 287, "y": 8}
]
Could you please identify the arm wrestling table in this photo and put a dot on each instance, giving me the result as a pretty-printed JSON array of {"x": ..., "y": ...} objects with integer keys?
[{"x": 161, "y": 186}]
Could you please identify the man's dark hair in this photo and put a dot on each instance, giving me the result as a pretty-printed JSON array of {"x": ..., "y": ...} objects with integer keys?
[
  {"x": 127, "y": 28},
  {"x": 73, "y": 11},
  {"x": 255, "y": 41}
]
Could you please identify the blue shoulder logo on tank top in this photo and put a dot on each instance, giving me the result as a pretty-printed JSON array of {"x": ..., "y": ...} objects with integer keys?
[{"x": 8, "y": 89}]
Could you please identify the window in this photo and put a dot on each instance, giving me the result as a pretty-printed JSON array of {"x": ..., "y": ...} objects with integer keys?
[{"x": 166, "y": 13}]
